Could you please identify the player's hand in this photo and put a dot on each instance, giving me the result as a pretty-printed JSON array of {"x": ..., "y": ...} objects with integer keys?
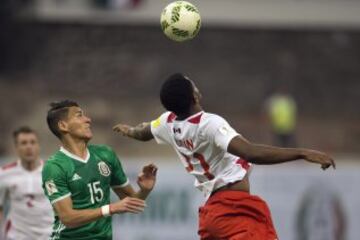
[
  {"x": 147, "y": 178},
  {"x": 319, "y": 157},
  {"x": 128, "y": 204},
  {"x": 123, "y": 129}
]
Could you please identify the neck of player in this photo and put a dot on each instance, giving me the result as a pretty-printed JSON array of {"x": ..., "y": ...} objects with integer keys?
[
  {"x": 76, "y": 146},
  {"x": 193, "y": 110},
  {"x": 30, "y": 165}
]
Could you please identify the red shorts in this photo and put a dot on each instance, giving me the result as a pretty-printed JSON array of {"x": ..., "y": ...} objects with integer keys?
[{"x": 235, "y": 215}]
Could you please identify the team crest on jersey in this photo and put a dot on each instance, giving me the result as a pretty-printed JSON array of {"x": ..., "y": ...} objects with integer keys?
[
  {"x": 104, "y": 169},
  {"x": 50, "y": 187},
  {"x": 224, "y": 130}
]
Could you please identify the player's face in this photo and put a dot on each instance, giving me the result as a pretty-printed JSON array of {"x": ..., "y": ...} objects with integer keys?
[
  {"x": 27, "y": 147},
  {"x": 78, "y": 124}
]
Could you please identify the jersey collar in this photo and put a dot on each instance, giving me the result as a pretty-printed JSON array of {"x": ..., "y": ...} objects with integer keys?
[
  {"x": 73, "y": 156},
  {"x": 195, "y": 118}
]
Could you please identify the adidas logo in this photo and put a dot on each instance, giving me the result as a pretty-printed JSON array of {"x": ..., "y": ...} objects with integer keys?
[{"x": 76, "y": 177}]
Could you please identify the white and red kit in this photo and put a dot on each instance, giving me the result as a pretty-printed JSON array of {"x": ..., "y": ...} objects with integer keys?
[
  {"x": 201, "y": 141},
  {"x": 30, "y": 214}
]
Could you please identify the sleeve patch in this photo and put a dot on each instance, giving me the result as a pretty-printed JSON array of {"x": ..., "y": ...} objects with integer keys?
[
  {"x": 156, "y": 123},
  {"x": 51, "y": 187},
  {"x": 224, "y": 130}
]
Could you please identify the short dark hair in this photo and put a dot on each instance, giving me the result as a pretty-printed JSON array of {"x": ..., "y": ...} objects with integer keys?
[
  {"x": 58, "y": 111},
  {"x": 22, "y": 129},
  {"x": 176, "y": 94}
]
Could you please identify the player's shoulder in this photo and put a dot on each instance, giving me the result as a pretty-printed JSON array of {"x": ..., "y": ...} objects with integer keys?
[
  {"x": 211, "y": 118},
  {"x": 105, "y": 152},
  {"x": 166, "y": 117},
  {"x": 100, "y": 148},
  {"x": 9, "y": 168},
  {"x": 57, "y": 160}
]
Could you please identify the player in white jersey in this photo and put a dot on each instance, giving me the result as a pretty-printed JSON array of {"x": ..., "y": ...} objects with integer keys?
[
  {"x": 214, "y": 153},
  {"x": 29, "y": 215}
]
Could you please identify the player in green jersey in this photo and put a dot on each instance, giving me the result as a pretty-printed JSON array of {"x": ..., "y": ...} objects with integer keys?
[{"x": 77, "y": 179}]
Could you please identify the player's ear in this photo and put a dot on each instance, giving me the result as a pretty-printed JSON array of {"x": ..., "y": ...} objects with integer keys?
[
  {"x": 62, "y": 126},
  {"x": 196, "y": 97}
]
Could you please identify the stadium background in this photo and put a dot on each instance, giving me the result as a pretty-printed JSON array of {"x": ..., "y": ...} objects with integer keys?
[{"x": 111, "y": 56}]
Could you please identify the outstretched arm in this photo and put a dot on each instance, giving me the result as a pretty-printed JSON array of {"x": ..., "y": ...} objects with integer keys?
[
  {"x": 72, "y": 218},
  {"x": 141, "y": 132},
  {"x": 264, "y": 154},
  {"x": 146, "y": 181}
]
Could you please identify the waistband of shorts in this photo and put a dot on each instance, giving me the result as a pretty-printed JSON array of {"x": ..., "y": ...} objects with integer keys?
[{"x": 227, "y": 194}]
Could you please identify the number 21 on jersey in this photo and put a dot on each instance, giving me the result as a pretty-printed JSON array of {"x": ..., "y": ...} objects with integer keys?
[{"x": 205, "y": 166}]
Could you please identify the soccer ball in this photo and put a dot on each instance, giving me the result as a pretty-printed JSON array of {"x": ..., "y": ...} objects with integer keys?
[{"x": 180, "y": 21}]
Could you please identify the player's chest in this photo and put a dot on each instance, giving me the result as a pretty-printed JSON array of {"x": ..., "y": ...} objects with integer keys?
[
  {"x": 86, "y": 174},
  {"x": 25, "y": 184}
]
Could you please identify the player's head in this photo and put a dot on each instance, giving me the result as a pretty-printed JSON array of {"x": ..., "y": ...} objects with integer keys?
[
  {"x": 26, "y": 144},
  {"x": 66, "y": 118},
  {"x": 179, "y": 94}
]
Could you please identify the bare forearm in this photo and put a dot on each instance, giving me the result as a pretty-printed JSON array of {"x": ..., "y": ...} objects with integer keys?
[
  {"x": 142, "y": 194},
  {"x": 141, "y": 132},
  {"x": 264, "y": 154},
  {"x": 128, "y": 191},
  {"x": 76, "y": 218}
]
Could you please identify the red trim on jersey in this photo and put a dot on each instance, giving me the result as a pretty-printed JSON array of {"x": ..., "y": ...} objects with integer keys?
[
  {"x": 9, "y": 166},
  {"x": 196, "y": 119},
  {"x": 244, "y": 164},
  {"x": 171, "y": 117},
  {"x": 204, "y": 165},
  {"x": 7, "y": 227},
  {"x": 190, "y": 167}
]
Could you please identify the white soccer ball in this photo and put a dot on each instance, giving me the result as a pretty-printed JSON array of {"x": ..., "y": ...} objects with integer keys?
[{"x": 180, "y": 21}]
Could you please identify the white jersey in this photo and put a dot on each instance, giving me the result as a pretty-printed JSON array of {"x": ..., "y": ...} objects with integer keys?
[
  {"x": 30, "y": 214},
  {"x": 201, "y": 142}
]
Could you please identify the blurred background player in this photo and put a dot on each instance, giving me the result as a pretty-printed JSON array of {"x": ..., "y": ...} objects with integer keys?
[
  {"x": 77, "y": 179},
  {"x": 29, "y": 215},
  {"x": 282, "y": 114},
  {"x": 213, "y": 152}
]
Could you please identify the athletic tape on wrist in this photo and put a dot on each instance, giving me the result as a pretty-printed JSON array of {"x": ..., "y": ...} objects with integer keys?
[{"x": 105, "y": 210}]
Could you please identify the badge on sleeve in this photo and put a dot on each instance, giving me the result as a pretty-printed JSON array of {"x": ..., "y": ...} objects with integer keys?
[
  {"x": 156, "y": 123},
  {"x": 50, "y": 187},
  {"x": 224, "y": 130}
]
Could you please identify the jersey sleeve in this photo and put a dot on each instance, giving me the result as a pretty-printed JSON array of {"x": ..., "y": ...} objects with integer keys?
[
  {"x": 220, "y": 131},
  {"x": 55, "y": 183},
  {"x": 159, "y": 129},
  {"x": 118, "y": 176}
]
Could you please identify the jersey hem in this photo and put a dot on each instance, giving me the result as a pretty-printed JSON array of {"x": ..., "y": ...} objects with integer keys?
[
  {"x": 122, "y": 185},
  {"x": 60, "y": 198}
]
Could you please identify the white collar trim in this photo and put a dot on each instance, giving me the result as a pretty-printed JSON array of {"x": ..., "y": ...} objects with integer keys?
[{"x": 73, "y": 156}]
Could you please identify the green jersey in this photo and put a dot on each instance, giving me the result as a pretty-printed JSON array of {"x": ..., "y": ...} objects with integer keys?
[{"x": 87, "y": 182}]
